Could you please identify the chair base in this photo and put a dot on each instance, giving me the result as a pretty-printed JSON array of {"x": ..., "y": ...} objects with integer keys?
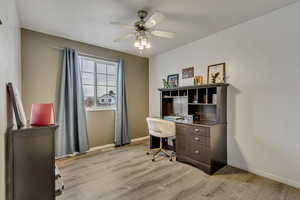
[{"x": 158, "y": 151}]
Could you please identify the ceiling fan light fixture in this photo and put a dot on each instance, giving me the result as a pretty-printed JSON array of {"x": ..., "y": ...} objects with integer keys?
[
  {"x": 144, "y": 29},
  {"x": 137, "y": 43},
  {"x": 144, "y": 41},
  {"x": 148, "y": 46}
]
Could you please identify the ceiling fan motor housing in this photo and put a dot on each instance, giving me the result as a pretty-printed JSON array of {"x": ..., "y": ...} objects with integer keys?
[
  {"x": 140, "y": 25},
  {"x": 142, "y": 14}
]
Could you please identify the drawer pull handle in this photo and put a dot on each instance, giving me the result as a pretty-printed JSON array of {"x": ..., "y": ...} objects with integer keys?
[
  {"x": 197, "y": 152},
  {"x": 197, "y": 139},
  {"x": 197, "y": 130}
]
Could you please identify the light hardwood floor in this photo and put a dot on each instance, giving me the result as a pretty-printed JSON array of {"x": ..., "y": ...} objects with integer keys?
[{"x": 127, "y": 173}]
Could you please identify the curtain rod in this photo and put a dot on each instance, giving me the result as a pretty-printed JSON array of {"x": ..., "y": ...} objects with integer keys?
[{"x": 89, "y": 55}]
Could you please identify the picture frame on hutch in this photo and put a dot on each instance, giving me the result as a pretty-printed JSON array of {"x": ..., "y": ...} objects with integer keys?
[
  {"x": 188, "y": 72},
  {"x": 216, "y": 73},
  {"x": 173, "y": 80}
]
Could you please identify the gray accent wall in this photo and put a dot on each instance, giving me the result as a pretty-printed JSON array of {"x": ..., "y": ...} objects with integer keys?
[{"x": 41, "y": 61}]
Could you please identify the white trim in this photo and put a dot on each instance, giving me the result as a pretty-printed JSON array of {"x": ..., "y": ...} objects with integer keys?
[
  {"x": 66, "y": 156},
  {"x": 268, "y": 175},
  {"x": 140, "y": 139},
  {"x": 106, "y": 146},
  {"x": 275, "y": 177}
]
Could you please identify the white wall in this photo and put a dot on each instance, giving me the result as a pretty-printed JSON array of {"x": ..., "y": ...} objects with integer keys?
[
  {"x": 263, "y": 65},
  {"x": 10, "y": 70}
]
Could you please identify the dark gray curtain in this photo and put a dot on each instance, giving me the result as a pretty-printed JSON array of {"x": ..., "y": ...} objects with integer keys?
[
  {"x": 121, "y": 124},
  {"x": 70, "y": 112}
]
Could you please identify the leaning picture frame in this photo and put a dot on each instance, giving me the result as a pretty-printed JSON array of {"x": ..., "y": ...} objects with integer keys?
[
  {"x": 173, "y": 80},
  {"x": 16, "y": 103}
]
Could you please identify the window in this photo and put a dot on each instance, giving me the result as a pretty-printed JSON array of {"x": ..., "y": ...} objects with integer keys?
[{"x": 99, "y": 82}]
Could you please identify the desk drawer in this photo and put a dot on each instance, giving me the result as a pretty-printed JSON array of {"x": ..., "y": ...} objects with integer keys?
[
  {"x": 198, "y": 130},
  {"x": 199, "y": 140},
  {"x": 200, "y": 153}
]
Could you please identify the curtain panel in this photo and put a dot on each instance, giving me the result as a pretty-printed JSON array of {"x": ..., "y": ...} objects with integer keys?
[
  {"x": 121, "y": 118},
  {"x": 70, "y": 111}
]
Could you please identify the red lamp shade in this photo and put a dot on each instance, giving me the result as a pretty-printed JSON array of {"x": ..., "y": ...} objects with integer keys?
[{"x": 42, "y": 114}]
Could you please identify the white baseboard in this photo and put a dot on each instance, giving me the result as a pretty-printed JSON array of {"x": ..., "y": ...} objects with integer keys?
[
  {"x": 65, "y": 156},
  {"x": 140, "y": 139},
  {"x": 268, "y": 175},
  {"x": 106, "y": 146}
]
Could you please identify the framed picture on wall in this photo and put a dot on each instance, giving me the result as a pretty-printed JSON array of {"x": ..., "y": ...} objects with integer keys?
[
  {"x": 173, "y": 80},
  {"x": 188, "y": 72},
  {"x": 216, "y": 73}
]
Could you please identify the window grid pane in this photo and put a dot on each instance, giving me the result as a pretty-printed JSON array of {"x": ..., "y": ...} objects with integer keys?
[
  {"x": 101, "y": 79},
  {"x": 87, "y": 78},
  {"x": 112, "y": 69},
  {"x": 111, "y": 80},
  {"x": 87, "y": 66},
  {"x": 99, "y": 83},
  {"x": 101, "y": 68}
]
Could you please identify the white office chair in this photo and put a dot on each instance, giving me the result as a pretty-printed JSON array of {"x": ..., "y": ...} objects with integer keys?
[{"x": 162, "y": 129}]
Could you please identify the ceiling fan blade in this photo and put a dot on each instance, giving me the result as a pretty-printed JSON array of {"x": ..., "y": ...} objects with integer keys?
[
  {"x": 155, "y": 19},
  {"x": 122, "y": 25},
  {"x": 163, "y": 34},
  {"x": 124, "y": 37}
]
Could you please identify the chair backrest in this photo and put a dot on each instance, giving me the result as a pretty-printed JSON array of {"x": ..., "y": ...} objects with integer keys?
[{"x": 164, "y": 128}]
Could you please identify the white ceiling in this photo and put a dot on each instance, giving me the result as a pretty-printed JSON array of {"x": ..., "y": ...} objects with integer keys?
[{"x": 89, "y": 20}]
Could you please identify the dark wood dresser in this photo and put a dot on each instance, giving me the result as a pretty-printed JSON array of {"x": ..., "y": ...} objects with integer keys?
[
  {"x": 30, "y": 163},
  {"x": 202, "y": 140}
]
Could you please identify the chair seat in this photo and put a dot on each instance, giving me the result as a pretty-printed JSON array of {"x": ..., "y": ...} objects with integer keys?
[
  {"x": 159, "y": 134},
  {"x": 154, "y": 133}
]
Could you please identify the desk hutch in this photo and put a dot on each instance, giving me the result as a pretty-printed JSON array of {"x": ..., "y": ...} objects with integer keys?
[{"x": 201, "y": 140}]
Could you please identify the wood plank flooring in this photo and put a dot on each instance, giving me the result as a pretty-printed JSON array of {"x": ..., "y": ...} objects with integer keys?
[{"x": 127, "y": 173}]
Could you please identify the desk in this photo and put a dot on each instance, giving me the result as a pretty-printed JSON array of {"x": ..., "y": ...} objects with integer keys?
[{"x": 202, "y": 144}]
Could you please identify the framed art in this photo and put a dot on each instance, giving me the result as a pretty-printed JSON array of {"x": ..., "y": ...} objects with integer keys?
[
  {"x": 173, "y": 80},
  {"x": 16, "y": 103},
  {"x": 188, "y": 73},
  {"x": 198, "y": 80},
  {"x": 216, "y": 73}
]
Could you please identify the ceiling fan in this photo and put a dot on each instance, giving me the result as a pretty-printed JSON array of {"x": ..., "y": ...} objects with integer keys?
[{"x": 143, "y": 29}]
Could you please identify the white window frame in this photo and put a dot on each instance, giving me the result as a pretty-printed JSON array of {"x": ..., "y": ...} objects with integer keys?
[{"x": 98, "y": 61}]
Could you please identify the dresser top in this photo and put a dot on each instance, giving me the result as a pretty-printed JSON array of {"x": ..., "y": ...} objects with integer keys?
[{"x": 29, "y": 127}]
